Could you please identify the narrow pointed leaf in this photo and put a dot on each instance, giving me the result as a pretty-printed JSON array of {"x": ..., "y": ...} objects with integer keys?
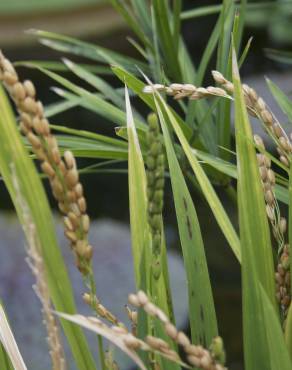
[
  {"x": 94, "y": 52},
  {"x": 282, "y": 99},
  {"x": 257, "y": 263},
  {"x": 255, "y": 229},
  {"x": 140, "y": 232},
  {"x": 201, "y": 306},
  {"x": 280, "y": 358}
]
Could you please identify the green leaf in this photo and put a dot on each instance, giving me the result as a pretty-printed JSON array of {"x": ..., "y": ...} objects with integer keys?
[
  {"x": 67, "y": 44},
  {"x": 281, "y": 98},
  {"x": 177, "y": 7},
  {"x": 92, "y": 136},
  {"x": 108, "y": 92},
  {"x": 89, "y": 145},
  {"x": 255, "y": 229},
  {"x": 93, "y": 103},
  {"x": 219, "y": 164},
  {"x": 60, "y": 67},
  {"x": 97, "y": 82},
  {"x": 142, "y": 12},
  {"x": 257, "y": 262},
  {"x": 196, "y": 109},
  {"x": 13, "y": 151},
  {"x": 201, "y": 11},
  {"x": 209, "y": 50},
  {"x": 89, "y": 100},
  {"x": 277, "y": 349},
  {"x": 214, "y": 9},
  {"x": 60, "y": 107},
  {"x": 202, "y": 314},
  {"x": 245, "y": 52},
  {"x": 131, "y": 20},
  {"x": 288, "y": 331},
  {"x": 140, "y": 232},
  {"x": 167, "y": 42}
]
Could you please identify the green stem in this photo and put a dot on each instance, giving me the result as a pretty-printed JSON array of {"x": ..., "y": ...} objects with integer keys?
[
  {"x": 92, "y": 289},
  {"x": 101, "y": 352}
]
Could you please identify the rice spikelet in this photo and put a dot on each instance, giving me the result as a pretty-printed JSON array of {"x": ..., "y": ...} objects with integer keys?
[{"x": 197, "y": 356}]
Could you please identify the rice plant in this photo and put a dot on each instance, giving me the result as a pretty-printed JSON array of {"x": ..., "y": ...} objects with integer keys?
[{"x": 187, "y": 140}]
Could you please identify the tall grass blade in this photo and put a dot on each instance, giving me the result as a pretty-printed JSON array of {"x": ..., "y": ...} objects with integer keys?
[
  {"x": 142, "y": 11},
  {"x": 281, "y": 98},
  {"x": 202, "y": 314},
  {"x": 131, "y": 20},
  {"x": 167, "y": 42},
  {"x": 277, "y": 349},
  {"x": 90, "y": 101},
  {"x": 229, "y": 24},
  {"x": 90, "y": 137},
  {"x": 67, "y": 44},
  {"x": 196, "y": 109},
  {"x": 60, "y": 107},
  {"x": 140, "y": 232},
  {"x": 257, "y": 263},
  {"x": 253, "y": 219},
  {"x": 95, "y": 81},
  {"x": 288, "y": 331},
  {"x": 60, "y": 67},
  {"x": 201, "y": 11},
  {"x": 177, "y": 7}
]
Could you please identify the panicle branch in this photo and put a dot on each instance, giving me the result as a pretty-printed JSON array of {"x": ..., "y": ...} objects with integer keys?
[
  {"x": 257, "y": 107},
  {"x": 196, "y": 355}
]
